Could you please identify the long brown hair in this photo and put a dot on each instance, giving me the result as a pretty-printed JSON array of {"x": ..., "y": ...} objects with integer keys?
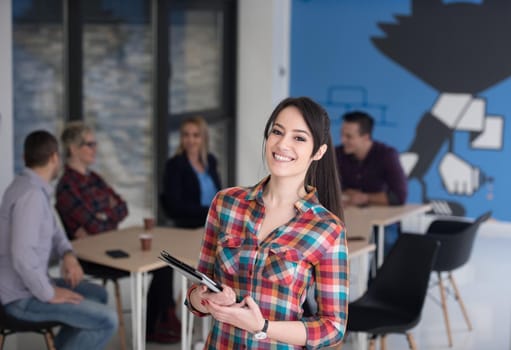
[{"x": 322, "y": 173}]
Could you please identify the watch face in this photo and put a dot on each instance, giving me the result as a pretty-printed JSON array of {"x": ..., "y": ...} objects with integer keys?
[{"x": 260, "y": 335}]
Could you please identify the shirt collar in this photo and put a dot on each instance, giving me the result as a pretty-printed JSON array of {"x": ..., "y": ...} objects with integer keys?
[
  {"x": 302, "y": 205},
  {"x": 38, "y": 181}
]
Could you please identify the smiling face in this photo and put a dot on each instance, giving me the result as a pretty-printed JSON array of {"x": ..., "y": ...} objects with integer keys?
[
  {"x": 289, "y": 145},
  {"x": 353, "y": 142}
]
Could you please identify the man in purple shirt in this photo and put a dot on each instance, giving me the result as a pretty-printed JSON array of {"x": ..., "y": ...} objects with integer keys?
[
  {"x": 29, "y": 236},
  {"x": 370, "y": 171}
]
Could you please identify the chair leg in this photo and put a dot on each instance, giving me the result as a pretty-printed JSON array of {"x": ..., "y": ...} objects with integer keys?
[
  {"x": 383, "y": 342},
  {"x": 444, "y": 308},
  {"x": 118, "y": 301},
  {"x": 411, "y": 341},
  {"x": 460, "y": 301},
  {"x": 48, "y": 336}
]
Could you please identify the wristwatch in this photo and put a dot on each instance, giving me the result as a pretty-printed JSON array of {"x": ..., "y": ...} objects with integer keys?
[{"x": 262, "y": 333}]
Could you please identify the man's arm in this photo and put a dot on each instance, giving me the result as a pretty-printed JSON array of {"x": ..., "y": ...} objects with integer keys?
[
  {"x": 27, "y": 216},
  {"x": 359, "y": 198},
  {"x": 71, "y": 270},
  {"x": 394, "y": 179}
]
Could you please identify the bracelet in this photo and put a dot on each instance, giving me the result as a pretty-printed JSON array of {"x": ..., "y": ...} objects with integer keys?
[{"x": 188, "y": 302}]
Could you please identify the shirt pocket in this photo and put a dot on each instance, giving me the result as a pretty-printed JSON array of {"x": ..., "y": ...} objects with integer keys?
[
  {"x": 281, "y": 265},
  {"x": 228, "y": 254}
]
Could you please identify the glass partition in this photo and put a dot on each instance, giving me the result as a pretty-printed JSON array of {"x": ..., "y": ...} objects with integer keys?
[
  {"x": 196, "y": 46},
  {"x": 117, "y": 67},
  {"x": 37, "y": 48}
]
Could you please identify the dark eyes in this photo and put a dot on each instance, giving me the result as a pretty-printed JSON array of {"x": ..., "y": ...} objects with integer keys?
[{"x": 279, "y": 133}]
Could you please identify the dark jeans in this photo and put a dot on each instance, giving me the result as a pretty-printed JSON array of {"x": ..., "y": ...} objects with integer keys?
[{"x": 160, "y": 297}]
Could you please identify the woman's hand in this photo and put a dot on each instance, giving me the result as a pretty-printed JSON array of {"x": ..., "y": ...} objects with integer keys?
[
  {"x": 245, "y": 315},
  {"x": 201, "y": 294},
  {"x": 226, "y": 297}
]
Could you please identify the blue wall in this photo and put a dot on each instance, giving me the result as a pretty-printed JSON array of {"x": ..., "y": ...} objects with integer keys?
[{"x": 334, "y": 61}]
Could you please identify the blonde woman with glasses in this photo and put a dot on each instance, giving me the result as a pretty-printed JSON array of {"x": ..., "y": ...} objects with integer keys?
[{"x": 88, "y": 205}]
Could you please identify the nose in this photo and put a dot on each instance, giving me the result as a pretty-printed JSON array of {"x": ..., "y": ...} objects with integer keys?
[{"x": 284, "y": 142}]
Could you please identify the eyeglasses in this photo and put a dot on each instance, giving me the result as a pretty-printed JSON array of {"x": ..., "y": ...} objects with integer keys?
[{"x": 90, "y": 144}]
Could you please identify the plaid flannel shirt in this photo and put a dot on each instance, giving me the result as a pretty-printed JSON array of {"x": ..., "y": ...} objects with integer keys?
[
  {"x": 81, "y": 197},
  {"x": 310, "y": 251}
]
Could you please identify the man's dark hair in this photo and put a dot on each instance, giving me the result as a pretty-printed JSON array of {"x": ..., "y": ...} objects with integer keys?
[
  {"x": 39, "y": 146},
  {"x": 365, "y": 121}
]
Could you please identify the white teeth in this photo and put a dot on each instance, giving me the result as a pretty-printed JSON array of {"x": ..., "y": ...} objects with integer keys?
[{"x": 282, "y": 158}]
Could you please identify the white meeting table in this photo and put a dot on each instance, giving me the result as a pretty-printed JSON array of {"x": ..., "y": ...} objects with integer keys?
[
  {"x": 182, "y": 243},
  {"x": 360, "y": 221}
]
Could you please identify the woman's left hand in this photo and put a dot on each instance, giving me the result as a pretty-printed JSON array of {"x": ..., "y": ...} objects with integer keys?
[
  {"x": 245, "y": 315},
  {"x": 226, "y": 297}
]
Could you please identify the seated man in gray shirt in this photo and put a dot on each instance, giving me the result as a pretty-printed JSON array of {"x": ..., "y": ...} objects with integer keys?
[{"x": 29, "y": 236}]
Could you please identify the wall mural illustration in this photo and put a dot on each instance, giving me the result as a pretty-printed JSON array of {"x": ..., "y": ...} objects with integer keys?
[
  {"x": 428, "y": 71},
  {"x": 448, "y": 57}
]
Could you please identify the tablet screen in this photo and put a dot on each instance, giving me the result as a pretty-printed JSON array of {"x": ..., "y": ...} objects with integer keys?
[{"x": 189, "y": 272}]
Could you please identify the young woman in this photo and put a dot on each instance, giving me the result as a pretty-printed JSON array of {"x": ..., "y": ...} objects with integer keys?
[{"x": 270, "y": 243}]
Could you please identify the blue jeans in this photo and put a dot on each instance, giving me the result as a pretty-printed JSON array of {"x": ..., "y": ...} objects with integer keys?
[{"x": 88, "y": 325}]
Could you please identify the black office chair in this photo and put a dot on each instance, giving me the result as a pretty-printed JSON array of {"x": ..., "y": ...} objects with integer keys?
[
  {"x": 457, "y": 240},
  {"x": 10, "y": 325},
  {"x": 394, "y": 300}
]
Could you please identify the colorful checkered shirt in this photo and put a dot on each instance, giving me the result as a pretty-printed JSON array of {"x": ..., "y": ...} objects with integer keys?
[
  {"x": 80, "y": 197},
  {"x": 309, "y": 251}
]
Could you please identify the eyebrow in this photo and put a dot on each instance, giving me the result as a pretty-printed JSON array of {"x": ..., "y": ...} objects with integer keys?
[{"x": 294, "y": 130}]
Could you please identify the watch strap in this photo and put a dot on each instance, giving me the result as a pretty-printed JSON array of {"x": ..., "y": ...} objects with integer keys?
[{"x": 265, "y": 327}]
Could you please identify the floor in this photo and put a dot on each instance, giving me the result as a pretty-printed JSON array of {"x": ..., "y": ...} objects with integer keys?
[{"x": 484, "y": 285}]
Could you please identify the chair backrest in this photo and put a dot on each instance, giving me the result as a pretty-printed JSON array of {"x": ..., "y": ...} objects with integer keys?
[
  {"x": 456, "y": 239},
  {"x": 402, "y": 280}
]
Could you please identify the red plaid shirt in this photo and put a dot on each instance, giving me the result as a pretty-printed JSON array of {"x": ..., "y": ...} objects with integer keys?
[
  {"x": 81, "y": 197},
  {"x": 310, "y": 251}
]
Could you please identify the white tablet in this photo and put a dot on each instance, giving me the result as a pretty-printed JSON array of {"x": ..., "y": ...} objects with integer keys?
[{"x": 189, "y": 272}]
